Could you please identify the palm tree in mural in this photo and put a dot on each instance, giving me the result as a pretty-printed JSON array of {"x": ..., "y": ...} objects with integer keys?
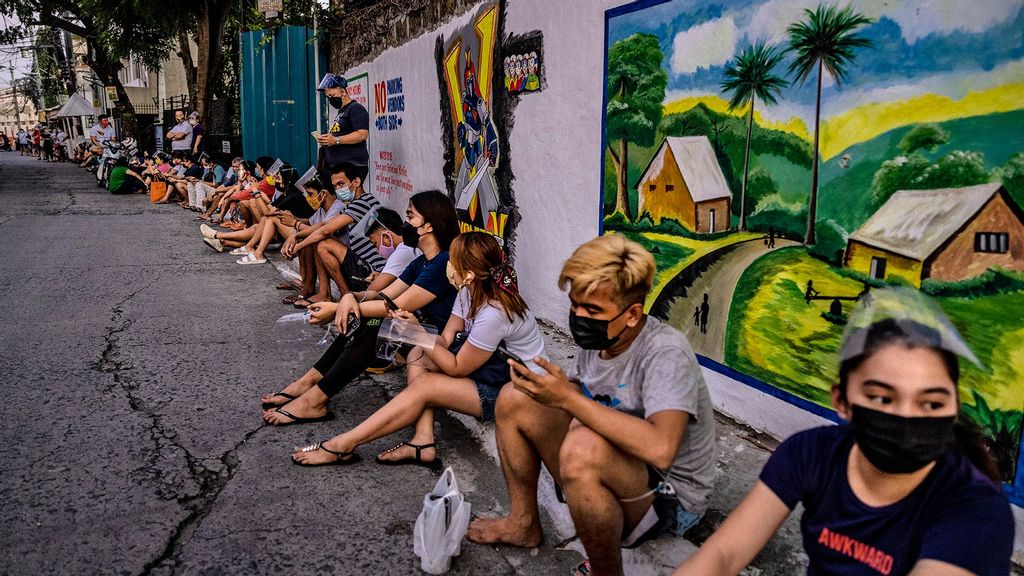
[
  {"x": 826, "y": 41},
  {"x": 749, "y": 77}
]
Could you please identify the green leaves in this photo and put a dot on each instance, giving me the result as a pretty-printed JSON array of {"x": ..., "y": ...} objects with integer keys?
[
  {"x": 827, "y": 37},
  {"x": 752, "y": 75},
  {"x": 636, "y": 89}
]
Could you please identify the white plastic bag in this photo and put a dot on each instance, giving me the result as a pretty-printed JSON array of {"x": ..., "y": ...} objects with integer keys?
[{"x": 440, "y": 527}]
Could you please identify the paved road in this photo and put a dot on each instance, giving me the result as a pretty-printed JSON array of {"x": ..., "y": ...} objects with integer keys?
[
  {"x": 131, "y": 360},
  {"x": 719, "y": 283}
]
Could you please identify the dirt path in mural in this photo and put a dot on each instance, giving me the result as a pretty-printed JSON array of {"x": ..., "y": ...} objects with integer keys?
[{"x": 719, "y": 283}]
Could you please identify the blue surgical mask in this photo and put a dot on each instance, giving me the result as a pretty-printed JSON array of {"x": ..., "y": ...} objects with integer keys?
[{"x": 345, "y": 194}]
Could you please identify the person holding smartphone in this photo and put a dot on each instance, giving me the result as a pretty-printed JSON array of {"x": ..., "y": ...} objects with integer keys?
[
  {"x": 423, "y": 288},
  {"x": 345, "y": 141},
  {"x": 462, "y": 372}
]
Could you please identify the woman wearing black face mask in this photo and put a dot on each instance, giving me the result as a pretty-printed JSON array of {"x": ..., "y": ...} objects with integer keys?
[
  {"x": 422, "y": 288},
  {"x": 904, "y": 488},
  {"x": 345, "y": 141}
]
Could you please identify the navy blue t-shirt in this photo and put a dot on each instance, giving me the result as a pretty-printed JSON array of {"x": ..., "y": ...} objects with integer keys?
[
  {"x": 430, "y": 275},
  {"x": 957, "y": 515},
  {"x": 350, "y": 118}
]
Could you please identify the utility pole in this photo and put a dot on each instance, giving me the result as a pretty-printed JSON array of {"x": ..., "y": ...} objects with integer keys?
[{"x": 14, "y": 98}]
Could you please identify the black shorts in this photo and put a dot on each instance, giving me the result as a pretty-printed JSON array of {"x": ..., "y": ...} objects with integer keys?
[{"x": 355, "y": 271}]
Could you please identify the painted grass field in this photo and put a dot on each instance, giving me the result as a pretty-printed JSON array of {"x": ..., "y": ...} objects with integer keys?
[{"x": 776, "y": 337}]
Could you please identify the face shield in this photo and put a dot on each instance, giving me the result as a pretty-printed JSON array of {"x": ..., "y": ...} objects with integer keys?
[
  {"x": 331, "y": 80},
  {"x": 918, "y": 317}
]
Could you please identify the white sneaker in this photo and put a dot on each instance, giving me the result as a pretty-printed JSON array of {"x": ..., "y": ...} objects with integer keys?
[
  {"x": 240, "y": 251},
  {"x": 207, "y": 232},
  {"x": 214, "y": 243}
]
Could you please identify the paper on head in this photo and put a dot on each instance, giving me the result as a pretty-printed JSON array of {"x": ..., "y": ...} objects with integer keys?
[
  {"x": 306, "y": 177},
  {"x": 275, "y": 168}
]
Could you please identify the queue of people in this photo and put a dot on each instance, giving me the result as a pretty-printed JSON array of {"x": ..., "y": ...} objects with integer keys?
[
  {"x": 46, "y": 143},
  {"x": 628, "y": 430}
]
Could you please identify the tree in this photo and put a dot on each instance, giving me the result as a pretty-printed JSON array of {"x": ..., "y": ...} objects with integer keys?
[
  {"x": 675, "y": 125},
  {"x": 926, "y": 137},
  {"x": 113, "y": 30},
  {"x": 1012, "y": 176},
  {"x": 749, "y": 77},
  {"x": 958, "y": 168},
  {"x": 636, "y": 91},
  {"x": 900, "y": 173},
  {"x": 825, "y": 41}
]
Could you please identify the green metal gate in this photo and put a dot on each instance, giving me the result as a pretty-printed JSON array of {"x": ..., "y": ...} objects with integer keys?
[{"x": 279, "y": 78}]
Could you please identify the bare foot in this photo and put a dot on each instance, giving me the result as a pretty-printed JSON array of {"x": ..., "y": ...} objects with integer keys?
[
  {"x": 301, "y": 407},
  {"x": 296, "y": 389},
  {"x": 505, "y": 530},
  {"x": 318, "y": 298}
]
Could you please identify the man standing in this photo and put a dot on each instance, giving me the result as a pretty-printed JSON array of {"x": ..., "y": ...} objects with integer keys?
[
  {"x": 345, "y": 142},
  {"x": 181, "y": 135},
  {"x": 628, "y": 433}
]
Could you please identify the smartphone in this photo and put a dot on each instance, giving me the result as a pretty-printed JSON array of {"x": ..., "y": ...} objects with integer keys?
[
  {"x": 353, "y": 325},
  {"x": 504, "y": 354},
  {"x": 315, "y": 134},
  {"x": 388, "y": 302}
]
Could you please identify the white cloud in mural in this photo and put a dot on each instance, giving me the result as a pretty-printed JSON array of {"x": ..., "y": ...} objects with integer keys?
[
  {"x": 919, "y": 18},
  {"x": 712, "y": 43},
  {"x": 916, "y": 18}
]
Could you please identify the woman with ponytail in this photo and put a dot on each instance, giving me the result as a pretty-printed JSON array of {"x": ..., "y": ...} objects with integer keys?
[
  {"x": 461, "y": 372},
  {"x": 906, "y": 486}
]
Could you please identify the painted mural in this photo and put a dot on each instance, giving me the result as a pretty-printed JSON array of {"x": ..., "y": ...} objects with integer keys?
[
  {"x": 473, "y": 66},
  {"x": 781, "y": 158}
]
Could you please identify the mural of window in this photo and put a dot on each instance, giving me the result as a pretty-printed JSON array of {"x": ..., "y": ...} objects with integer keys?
[
  {"x": 652, "y": 187},
  {"x": 669, "y": 187},
  {"x": 993, "y": 242}
]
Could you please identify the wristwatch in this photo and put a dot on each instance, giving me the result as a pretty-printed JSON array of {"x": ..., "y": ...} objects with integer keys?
[{"x": 337, "y": 139}]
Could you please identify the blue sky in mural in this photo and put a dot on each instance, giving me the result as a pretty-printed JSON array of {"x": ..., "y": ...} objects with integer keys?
[{"x": 938, "y": 46}]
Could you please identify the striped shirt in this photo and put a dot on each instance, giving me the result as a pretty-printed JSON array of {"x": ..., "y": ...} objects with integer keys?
[{"x": 362, "y": 210}]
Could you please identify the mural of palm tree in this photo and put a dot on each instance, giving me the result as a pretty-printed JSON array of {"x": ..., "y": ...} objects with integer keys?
[
  {"x": 750, "y": 77},
  {"x": 826, "y": 40}
]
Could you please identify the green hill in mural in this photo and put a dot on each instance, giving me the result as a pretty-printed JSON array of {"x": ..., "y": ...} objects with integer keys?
[
  {"x": 780, "y": 160},
  {"x": 845, "y": 192}
]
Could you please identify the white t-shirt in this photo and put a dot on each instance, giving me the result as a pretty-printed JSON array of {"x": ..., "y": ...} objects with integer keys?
[
  {"x": 102, "y": 134},
  {"x": 491, "y": 326},
  {"x": 400, "y": 259}
]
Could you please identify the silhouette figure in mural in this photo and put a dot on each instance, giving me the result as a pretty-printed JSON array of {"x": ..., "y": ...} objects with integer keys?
[
  {"x": 865, "y": 293},
  {"x": 704, "y": 309},
  {"x": 836, "y": 308},
  {"x": 771, "y": 238},
  {"x": 696, "y": 315},
  {"x": 810, "y": 292}
]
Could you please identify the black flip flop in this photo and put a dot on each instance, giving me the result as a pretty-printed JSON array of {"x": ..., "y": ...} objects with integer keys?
[
  {"x": 415, "y": 461},
  {"x": 269, "y": 405},
  {"x": 341, "y": 458},
  {"x": 299, "y": 420}
]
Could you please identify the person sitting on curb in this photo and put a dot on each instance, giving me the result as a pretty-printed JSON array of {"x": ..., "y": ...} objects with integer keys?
[
  {"x": 461, "y": 372},
  {"x": 903, "y": 487},
  {"x": 629, "y": 433},
  {"x": 219, "y": 193},
  {"x": 355, "y": 203},
  {"x": 431, "y": 225},
  {"x": 123, "y": 180}
]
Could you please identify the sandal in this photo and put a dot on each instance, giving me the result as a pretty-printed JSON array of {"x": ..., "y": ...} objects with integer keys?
[
  {"x": 286, "y": 286},
  {"x": 302, "y": 303},
  {"x": 240, "y": 251},
  {"x": 300, "y": 420},
  {"x": 292, "y": 298},
  {"x": 417, "y": 460},
  {"x": 581, "y": 569},
  {"x": 340, "y": 458},
  {"x": 269, "y": 405},
  {"x": 250, "y": 258}
]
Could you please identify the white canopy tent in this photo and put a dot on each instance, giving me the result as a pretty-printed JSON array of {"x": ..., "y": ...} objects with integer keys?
[{"x": 76, "y": 107}]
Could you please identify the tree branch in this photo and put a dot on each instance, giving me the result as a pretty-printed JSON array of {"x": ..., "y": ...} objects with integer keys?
[
  {"x": 615, "y": 157},
  {"x": 67, "y": 25}
]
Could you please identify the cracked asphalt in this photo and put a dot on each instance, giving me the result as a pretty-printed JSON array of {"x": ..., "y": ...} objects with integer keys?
[{"x": 132, "y": 360}]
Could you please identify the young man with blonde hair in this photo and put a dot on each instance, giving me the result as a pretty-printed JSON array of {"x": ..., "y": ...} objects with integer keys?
[{"x": 628, "y": 433}]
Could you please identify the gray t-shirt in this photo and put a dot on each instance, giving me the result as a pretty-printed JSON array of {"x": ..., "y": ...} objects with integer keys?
[
  {"x": 185, "y": 143},
  {"x": 660, "y": 372}
]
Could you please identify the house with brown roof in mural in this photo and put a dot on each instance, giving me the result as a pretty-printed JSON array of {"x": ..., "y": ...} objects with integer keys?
[
  {"x": 949, "y": 234},
  {"x": 684, "y": 182}
]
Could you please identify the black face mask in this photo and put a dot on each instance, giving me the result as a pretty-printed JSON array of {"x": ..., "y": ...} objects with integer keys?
[
  {"x": 900, "y": 445},
  {"x": 410, "y": 235},
  {"x": 591, "y": 333},
  {"x": 335, "y": 101}
]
